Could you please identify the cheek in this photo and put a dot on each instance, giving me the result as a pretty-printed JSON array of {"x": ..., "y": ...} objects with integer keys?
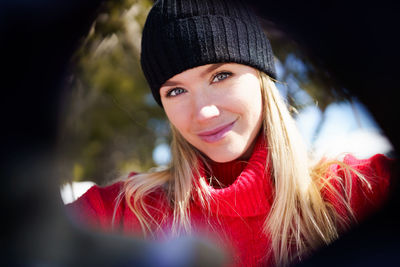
[
  {"x": 178, "y": 116},
  {"x": 248, "y": 101},
  {"x": 256, "y": 104}
]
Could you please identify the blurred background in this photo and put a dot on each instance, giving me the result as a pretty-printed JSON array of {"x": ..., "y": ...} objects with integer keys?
[{"x": 110, "y": 124}]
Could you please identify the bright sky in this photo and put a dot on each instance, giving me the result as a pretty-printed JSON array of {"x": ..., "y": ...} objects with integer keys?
[
  {"x": 347, "y": 129},
  {"x": 348, "y": 126}
]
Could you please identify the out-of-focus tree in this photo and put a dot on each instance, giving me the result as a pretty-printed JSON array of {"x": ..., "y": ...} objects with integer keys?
[{"x": 111, "y": 122}]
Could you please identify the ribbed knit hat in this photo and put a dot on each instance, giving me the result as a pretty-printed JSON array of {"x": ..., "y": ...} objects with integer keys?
[{"x": 183, "y": 34}]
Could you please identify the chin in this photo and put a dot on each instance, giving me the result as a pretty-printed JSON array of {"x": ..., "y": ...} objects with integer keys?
[
  {"x": 223, "y": 156},
  {"x": 222, "y": 159}
]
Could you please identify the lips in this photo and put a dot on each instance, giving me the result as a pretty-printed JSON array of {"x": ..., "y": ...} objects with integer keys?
[{"x": 216, "y": 134}]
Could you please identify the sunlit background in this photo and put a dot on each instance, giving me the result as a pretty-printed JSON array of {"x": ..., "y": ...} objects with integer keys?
[{"x": 112, "y": 126}]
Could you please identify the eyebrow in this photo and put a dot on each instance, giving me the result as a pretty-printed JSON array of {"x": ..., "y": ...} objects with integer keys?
[{"x": 209, "y": 69}]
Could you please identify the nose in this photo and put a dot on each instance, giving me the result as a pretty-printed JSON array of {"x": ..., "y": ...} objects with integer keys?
[
  {"x": 207, "y": 112},
  {"x": 205, "y": 104}
]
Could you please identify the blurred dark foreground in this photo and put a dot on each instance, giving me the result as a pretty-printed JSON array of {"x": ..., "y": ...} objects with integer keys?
[
  {"x": 37, "y": 40},
  {"x": 356, "y": 43}
]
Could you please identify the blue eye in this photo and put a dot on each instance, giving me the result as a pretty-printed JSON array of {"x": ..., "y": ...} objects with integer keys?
[
  {"x": 175, "y": 91},
  {"x": 221, "y": 76}
]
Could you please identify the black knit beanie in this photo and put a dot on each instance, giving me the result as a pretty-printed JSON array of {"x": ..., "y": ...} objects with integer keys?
[{"x": 183, "y": 34}]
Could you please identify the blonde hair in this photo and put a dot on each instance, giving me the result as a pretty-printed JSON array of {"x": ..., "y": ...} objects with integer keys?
[{"x": 300, "y": 220}]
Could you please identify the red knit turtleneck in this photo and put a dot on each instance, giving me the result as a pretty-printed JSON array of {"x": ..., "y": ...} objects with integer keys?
[
  {"x": 224, "y": 174},
  {"x": 249, "y": 193},
  {"x": 236, "y": 213}
]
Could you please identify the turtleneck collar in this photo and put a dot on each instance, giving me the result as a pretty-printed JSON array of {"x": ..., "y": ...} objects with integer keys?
[
  {"x": 224, "y": 174},
  {"x": 248, "y": 187}
]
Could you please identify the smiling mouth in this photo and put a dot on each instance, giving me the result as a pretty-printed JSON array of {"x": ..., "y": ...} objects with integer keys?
[{"x": 216, "y": 134}]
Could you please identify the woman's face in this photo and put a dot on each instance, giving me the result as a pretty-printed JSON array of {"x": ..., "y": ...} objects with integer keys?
[{"x": 216, "y": 108}]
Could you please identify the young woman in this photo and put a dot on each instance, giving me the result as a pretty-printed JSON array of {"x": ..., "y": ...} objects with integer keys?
[{"x": 240, "y": 171}]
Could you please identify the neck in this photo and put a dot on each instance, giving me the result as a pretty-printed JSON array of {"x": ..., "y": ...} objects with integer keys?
[{"x": 224, "y": 174}]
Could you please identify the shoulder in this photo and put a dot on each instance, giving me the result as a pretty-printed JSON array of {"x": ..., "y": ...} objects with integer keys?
[
  {"x": 105, "y": 207},
  {"x": 378, "y": 165},
  {"x": 363, "y": 183},
  {"x": 369, "y": 176},
  {"x": 95, "y": 207}
]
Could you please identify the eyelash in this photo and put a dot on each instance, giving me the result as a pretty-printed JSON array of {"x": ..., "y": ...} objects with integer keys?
[
  {"x": 227, "y": 73},
  {"x": 168, "y": 94}
]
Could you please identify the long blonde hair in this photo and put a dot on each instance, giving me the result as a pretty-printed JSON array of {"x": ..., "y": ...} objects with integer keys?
[{"x": 300, "y": 220}]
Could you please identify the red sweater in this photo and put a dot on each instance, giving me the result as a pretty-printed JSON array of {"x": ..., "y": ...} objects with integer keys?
[{"x": 237, "y": 215}]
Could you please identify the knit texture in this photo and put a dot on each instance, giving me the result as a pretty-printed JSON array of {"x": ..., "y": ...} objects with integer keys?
[
  {"x": 236, "y": 216},
  {"x": 250, "y": 194},
  {"x": 222, "y": 175},
  {"x": 183, "y": 34}
]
